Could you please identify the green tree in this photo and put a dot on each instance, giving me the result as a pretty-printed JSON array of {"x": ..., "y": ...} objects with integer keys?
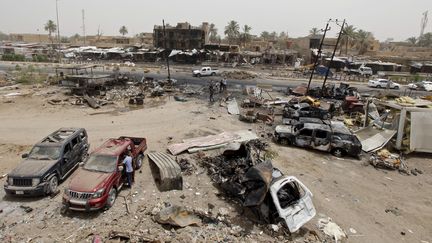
[
  {"x": 412, "y": 40},
  {"x": 213, "y": 33},
  {"x": 123, "y": 30},
  {"x": 51, "y": 27},
  {"x": 265, "y": 35},
  {"x": 273, "y": 35},
  {"x": 314, "y": 31},
  {"x": 246, "y": 36},
  {"x": 425, "y": 40},
  {"x": 364, "y": 38},
  {"x": 348, "y": 35},
  {"x": 232, "y": 31}
]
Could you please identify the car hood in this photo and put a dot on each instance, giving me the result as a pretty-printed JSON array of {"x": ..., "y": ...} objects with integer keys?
[
  {"x": 196, "y": 71},
  {"x": 32, "y": 168},
  {"x": 88, "y": 181}
]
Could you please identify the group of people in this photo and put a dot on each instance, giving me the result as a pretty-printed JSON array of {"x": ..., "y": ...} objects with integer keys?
[{"x": 213, "y": 86}]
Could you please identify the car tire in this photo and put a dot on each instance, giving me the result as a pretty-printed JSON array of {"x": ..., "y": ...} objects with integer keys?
[
  {"x": 139, "y": 161},
  {"x": 396, "y": 87},
  {"x": 52, "y": 185},
  {"x": 198, "y": 75},
  {"x": 284, "y": 141},
  {"x": 213, "y": 74},
  {"x": 338, "y": 152},
  {"x": 378, "y": 86},
  {"x": 326, "y": 117},
  {"x": 112, "y": 195}
]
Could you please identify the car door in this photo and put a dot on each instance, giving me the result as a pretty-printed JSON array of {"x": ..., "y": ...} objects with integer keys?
[
  {"x": 67, "y": 158},
  {"x": 293, "y": 201},
  {"x": 321, "y": 140},
  {"x": 76, "y": 150},
  {"x": 304, "y": 137}
]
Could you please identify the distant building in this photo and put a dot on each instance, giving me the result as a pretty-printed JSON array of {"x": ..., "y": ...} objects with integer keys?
[
  {"x": 31, "y": 38},
  {"x": 145, "y": 40},
  {"x": 181, "y": 37}
]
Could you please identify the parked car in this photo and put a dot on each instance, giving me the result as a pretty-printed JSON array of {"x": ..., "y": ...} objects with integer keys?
[
  {"x": 364, "y": 71},
  {"x": 383, "y": 83},
  {"x": 422, "y": 85},
  {"x": 305, "y": 110},
  {"x": 331, "y": 136},
  {"x": 49, "y": 162},
  {"x": 205, "y": 71},
  {"x": 96, "y": 183}
]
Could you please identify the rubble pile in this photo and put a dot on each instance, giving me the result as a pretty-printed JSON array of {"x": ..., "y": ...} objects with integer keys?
[
  {"x": 118, "y": 94},
  {"x": 238, "y": 74},
  {"x": 383, "y": 159}
]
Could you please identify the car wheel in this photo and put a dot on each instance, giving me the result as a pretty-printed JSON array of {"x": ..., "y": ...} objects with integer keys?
[
  {"x": 338, "y": 152},
  {"x": 198, "y": 75},
  {"x": 213, "y": 74},
  {"x": 378, "y": 86},
  {"x": 285, "y": 141},
  {"x": 52, "y": 185},
  {"x": 112, "y": 195},
  {"x": 326, "y": 117},
  {"x": 396, "y": 87},
  {"x": 139, "y": 161}
]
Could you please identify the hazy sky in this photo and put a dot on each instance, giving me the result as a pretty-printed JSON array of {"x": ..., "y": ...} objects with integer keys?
[{"x": 398, "y": 19}]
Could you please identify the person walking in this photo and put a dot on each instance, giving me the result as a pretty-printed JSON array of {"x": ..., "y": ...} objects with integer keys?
[
  {"x": 211, "y": 91},
  {"x": 129, "y": 169}
]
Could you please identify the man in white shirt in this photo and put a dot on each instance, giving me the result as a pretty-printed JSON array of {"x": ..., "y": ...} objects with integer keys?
[{"x": 129, "y": 169}]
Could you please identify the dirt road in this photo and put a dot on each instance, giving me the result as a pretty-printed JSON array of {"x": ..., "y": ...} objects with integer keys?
[{"x": 370, "y": 205}]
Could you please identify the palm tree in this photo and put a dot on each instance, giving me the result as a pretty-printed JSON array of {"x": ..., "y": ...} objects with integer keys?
[
  {"x": 123, "y": 30},
  {"x": 314, "y": 31},
  {"x": 51, "y": 28},
  {"x": 213, "y": 33},
  {"x": 412, "y": 40},
  {"x": 232, "y": 31},
  {"x": 246, "y": 36},
  {"x": 425, "y": 40},
  {"x": 364, "y": 38},
  {"x": 348, "y": 35},
  {"x": 273, "y": 35}
]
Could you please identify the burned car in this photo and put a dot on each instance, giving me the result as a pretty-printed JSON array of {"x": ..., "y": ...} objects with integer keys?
[
  {"x": 50, "y": 161},
  {"x": 331, "y": 136},
  {"x": 242, "y": 172},
  {"x": 305, "y": 110}
]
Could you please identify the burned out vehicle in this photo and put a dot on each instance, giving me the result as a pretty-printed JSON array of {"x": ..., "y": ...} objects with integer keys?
[
  {"x": 95, "y": 185},
  {"x": 305, "y": 110},
  {"x": 331, "y": 136},
  {"x": 243, "y": 173},
  {"x": 50, "y": 161}
]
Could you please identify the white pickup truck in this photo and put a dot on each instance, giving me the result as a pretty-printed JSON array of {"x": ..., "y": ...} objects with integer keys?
[{"x": 205, "y": 71}]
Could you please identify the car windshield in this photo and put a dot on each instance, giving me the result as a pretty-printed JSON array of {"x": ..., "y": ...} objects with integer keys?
[
  {"x": 45, "y": 152},
  {"x": 346, "y": 137},
  {"x": 101, "y": 163}
]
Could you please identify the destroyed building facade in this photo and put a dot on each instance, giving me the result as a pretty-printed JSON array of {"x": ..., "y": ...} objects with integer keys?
[{"x": 182, "y": 37}]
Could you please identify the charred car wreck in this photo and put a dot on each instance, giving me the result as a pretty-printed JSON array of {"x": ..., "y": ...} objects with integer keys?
[
  {"x": 241, "y": 172},
  {"x": 331, "y": 136}
]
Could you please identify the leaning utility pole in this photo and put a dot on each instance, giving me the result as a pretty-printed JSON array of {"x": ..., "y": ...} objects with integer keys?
[
  {"x": 332, "y": 57},
  {"x": 423, "y": 24},
  {"x": 318, "y": 56},
  {"x": 165, "y": 46}
]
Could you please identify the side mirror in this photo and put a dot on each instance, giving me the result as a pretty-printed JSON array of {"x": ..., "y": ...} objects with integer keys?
[
  {"x": 81, "y": 164},
  {"x": 24, "y": 155},
  {"x": 120, "y": 168}
]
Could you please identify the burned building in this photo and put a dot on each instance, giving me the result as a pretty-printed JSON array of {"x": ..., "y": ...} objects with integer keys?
[{"x": 181, "y": 37}]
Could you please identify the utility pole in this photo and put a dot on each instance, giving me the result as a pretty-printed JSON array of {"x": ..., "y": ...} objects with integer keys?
[
  {"x": 165, "y": 45},
  {"x": 83, "y": 26},
  {"x": 332, "y": 57},
  {"x": 423, "y": 24},
  {"x": 58, "y": 32},
  {"x": 318, "y": 55}
]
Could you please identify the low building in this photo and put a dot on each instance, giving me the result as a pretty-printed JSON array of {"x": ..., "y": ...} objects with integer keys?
[
  {"x": 31, "y": 38},
  {"x": 181, "y": 37}
]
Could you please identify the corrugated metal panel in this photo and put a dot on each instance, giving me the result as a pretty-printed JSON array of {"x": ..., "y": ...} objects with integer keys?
[{"x": 168, "y": 172}]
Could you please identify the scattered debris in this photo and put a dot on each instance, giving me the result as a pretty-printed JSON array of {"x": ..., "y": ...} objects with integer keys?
[
  {"x": 186, "y": 167},
  {"x": 27, "y": 209},
  {"x": 166, "y": 172},
  {"x": 331, "y": 229},
  {"x": 383, "y": 159},
  {"x": 177, "y": 216}
]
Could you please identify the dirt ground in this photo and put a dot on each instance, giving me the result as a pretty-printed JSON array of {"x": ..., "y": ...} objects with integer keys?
[{"x": 370, "y": 205}]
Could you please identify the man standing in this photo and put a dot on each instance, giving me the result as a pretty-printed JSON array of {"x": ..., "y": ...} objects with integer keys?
[
  {"x": 211, "y": 91},
  {"x": 129, "y": 169}
]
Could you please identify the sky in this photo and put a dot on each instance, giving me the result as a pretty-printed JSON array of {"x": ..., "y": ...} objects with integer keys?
[{"x": 397, "y": 19}]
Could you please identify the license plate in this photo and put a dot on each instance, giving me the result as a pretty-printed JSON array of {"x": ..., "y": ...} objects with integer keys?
[{"x": 19, "y": 192}]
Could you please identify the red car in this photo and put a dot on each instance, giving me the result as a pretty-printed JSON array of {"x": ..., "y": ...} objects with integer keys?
[{"x": 96, "y": 183}]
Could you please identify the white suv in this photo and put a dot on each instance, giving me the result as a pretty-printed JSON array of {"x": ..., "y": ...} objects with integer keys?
[{"x": 383, "y": 83}]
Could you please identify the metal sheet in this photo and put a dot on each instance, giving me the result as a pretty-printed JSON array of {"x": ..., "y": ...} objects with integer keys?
[
  {"x": 166, "y": 172},
  {"x": 373, "y": 139},
  {"x": 421, "y": 135},
  {"x": 202, "y": 142}
]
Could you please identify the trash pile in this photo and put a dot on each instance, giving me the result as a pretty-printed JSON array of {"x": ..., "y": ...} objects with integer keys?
[{"x": 383, "y": 159}]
